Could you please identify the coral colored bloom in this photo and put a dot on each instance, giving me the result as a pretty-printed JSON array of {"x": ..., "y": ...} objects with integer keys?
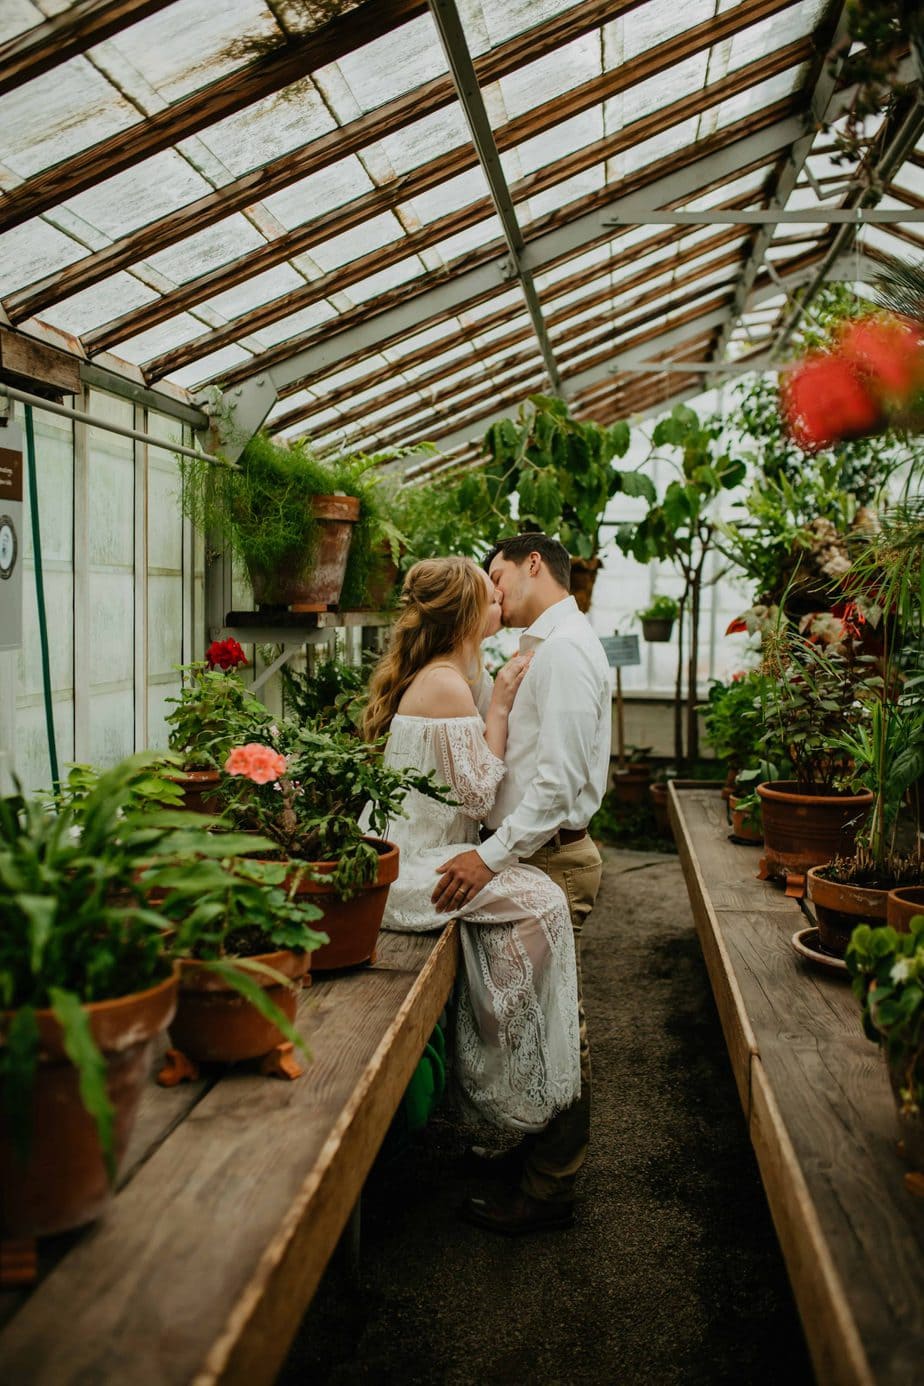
[
  {"x": 738, "y": 624},
  {"x": 225, "y": 654},
  {"x": 261, "y": 764},
  {"x": 825, "y": 400},
  {"x": 888, "y": 352}
]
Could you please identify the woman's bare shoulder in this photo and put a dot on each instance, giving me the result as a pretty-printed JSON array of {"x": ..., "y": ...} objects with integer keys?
[{"x": 437, "y": 691}]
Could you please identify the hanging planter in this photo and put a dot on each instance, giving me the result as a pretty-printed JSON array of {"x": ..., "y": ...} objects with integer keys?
[
  {"x": 658, "y": 619},
  {"x": 314, "y": 585}
]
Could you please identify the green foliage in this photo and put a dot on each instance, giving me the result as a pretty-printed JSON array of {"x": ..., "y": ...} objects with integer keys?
[
  {"x": 661, "y": 608},
  {"x": 214, "y": 712},
  {"x": 562, "y": 471},
  {"x": 332, "y": 696},
  {"x": 877, "y": 33},
  {"x": 887, "y": 972},
  {"x": 312, "y": 813},
  {"x": 463, "y": 517},
  {"x": 733, "y": 720}
]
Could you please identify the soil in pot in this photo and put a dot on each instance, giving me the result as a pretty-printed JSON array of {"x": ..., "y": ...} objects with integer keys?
[
  {"x": 840, "y": 907},
  {"x": 804, "y": 828},
  {"x": 63, "y": 1182},
  {"x": 902, "y": 905},
  {"x": 583, "y": 576},
  {"x": 215, "y": 1024},
  {"x": 315, "y": 586},
  {"x": 351, "y": 925}
]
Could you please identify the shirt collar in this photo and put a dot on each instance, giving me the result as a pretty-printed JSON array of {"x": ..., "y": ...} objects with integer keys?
[{"x": 546, "y": 622}]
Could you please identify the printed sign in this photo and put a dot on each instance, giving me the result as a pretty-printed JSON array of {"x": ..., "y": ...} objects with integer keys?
[
  {"x": 11, "y": 520},
  {"x": 621, "y": 650}
]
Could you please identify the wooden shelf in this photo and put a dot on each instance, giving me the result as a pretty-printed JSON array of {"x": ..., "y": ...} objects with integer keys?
[
  {"x": 819, "y": 1109},
  {"x": 298, "y": 627}
]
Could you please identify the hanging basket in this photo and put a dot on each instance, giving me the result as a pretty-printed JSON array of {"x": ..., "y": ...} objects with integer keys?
[{"x": 317, "y": 585}]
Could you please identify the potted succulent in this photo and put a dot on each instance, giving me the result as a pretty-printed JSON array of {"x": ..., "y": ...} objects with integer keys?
[
  {"x": 307, "y": 788},
  {"x": 887, "y": 971},
  {"x": 658, "y": 619},
  {"x": 562, "y": 471},
  {"x": 214, "y": 710}
]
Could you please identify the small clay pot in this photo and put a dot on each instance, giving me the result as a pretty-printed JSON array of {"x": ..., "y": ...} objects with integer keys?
[
  {"x": 216, "y": 1024},
  {"x": 840, "y": 908},
  {"x": 742, "y": 826},
  {"x": 629, "y": 790},
  {"x": 805, "y": 828},
  {"x": 200, "y": 790},
  {"x": 351, "y": 925},
  {"x": 658, "y": 793},
  {"x": 902, "y": 905}
]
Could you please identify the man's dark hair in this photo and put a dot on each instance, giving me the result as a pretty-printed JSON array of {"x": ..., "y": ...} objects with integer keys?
[{"x": 519, "y": 546}]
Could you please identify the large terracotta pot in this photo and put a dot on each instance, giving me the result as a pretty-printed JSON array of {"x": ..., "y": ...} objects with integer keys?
[
  {"x": 63, "y": 1182},
  {"x": 215, "y": 1024},
  {"x": 351, "y": 925},
  {"x": 583, "y": 576},
  {"x": 840, "y": 908},
  {"x": 317, "y": 586},
  {"x": 199, "y": 790},
  {"x": 804, "y": 829},
  {"x": 902, "y": 905}
]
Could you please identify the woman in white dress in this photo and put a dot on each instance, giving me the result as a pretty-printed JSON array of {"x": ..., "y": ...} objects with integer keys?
[{"x": 516, "y": 1012}]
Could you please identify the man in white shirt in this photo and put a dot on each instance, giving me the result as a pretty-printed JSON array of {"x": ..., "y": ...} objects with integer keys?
[{"x": 558, "y": 755}]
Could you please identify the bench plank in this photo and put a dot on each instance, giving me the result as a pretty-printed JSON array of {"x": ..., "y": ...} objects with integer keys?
[
  {"x": 820, "y": 1116},
  {"x": 210, "y": 1254}
]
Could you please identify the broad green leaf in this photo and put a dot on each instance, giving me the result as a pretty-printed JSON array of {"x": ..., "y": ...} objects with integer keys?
[
  {"x": 81, "y": 1049},
  {"x": 236, "y": 975}
]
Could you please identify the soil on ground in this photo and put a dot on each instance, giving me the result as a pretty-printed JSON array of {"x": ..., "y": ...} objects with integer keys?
[{"x": 672, "y": 1273}]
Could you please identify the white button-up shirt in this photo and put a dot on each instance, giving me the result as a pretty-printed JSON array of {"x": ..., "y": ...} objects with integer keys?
[{"x": 558, "y": 743}]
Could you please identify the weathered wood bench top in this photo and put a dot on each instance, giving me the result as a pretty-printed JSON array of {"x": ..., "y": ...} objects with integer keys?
[
  {"x": 234, "y": 1194},
  {"x": 819, "y": 1109}
]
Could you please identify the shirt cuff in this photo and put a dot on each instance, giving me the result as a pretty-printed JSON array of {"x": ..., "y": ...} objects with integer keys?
[{"x": 495, "y": 855}]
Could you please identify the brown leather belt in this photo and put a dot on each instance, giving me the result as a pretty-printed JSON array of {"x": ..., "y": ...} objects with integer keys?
[{"x": 568, "y": 835}]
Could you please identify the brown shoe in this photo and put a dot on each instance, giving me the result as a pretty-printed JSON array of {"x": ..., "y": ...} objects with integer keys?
[
  {"x": 517, "y": 1213},
  {"x": 486, "y": 1163}
]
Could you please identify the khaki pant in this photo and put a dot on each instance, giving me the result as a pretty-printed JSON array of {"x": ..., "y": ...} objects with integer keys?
[{"x": 553, "y": 1157}]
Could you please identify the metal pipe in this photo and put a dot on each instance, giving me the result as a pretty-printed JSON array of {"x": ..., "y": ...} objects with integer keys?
[{"x": 78, "y": 416}]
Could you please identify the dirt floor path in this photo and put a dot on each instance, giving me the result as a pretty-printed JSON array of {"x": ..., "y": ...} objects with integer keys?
[{"x": 672, "y": 1273}]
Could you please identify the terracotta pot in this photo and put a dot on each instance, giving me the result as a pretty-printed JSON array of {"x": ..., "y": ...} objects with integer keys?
[
  {"x": 351, "y": 925},
  {"x": 317, "y": 586},
  {"x": 583, "y": 576},
  {"x": 840, "y": 908},
  {"x": 657, "y": 631},
  {"x": 199, "y": 790},
  {"x": 215, "y": 1024},
  {"x": 728, "y": 788},
  {"x": 658, "y": 793},
  {"x": 910, "y": 1124},
  {"x": 902, "y": 905},
  {"x": 628, "y": 789},
  {"x": 639, "y": 767},
  {"x": 383, "y": 582},
  {"x": 742, "y": 826},
  {"x": 63, "y": 1182},
  {"x": 804, "y": 829}
]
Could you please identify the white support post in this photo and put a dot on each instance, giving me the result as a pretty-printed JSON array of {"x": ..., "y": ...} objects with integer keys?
[
  {"x": 140, "y": 582},
  {"x": 81, "y": 582}
]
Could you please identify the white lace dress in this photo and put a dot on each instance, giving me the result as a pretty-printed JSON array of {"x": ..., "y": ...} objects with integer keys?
[{"x": 517, "y": 1042}]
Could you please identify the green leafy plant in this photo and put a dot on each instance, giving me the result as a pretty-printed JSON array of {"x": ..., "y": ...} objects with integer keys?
[
  {"x": 681, "y": 529},
  {"x": 213, "y": 712},
  {"x": 332, "y": 696},
  {"x": 661, "y": 608},
  {"x": 732, "y": 720},
  {"x": 887, "y": 971},
  {"x": 453, "y": 516},
  {"x": 562, "y": 471},
  {"x": 307, "y": 787}
]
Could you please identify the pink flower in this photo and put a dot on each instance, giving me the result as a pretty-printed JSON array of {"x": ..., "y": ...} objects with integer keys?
[{"x": 261, "y": 764}]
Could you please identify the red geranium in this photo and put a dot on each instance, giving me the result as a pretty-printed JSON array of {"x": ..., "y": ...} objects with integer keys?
[
  {"x": 225, "y": 654},
  {"x": 888, "y": 352},
  {"x": 825, "y": 400}
]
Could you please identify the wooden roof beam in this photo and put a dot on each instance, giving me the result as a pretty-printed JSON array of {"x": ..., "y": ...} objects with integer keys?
[
  {"x": 233, "y": 92},
  {"x": 310, "y": 158},
  {"x": 56, "y": 40},
  {"x": 287, "y": 304}
]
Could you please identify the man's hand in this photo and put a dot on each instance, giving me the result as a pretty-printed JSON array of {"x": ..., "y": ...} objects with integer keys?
[{"x": 460, "y": 879}]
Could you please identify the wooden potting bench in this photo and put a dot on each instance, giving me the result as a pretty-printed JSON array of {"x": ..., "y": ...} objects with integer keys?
[
  {"x": 819, "y": 1110},
  {"x": 235, "y": 1192}
]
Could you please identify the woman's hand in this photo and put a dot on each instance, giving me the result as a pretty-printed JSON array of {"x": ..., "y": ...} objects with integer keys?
[{"x": 508, "y": 680}]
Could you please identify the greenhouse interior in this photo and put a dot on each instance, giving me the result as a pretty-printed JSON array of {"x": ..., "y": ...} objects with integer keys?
[{"x": 462, "y": 692}]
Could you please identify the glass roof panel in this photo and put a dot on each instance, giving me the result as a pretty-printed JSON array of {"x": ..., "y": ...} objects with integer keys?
[
  {"x": 393, "y": 64},
  {"x": 208, "y": 249},
  {"x": 267, "y": 129},
  {"x": 131, "y": 199},
  {"x": 33, "y": 250},
  {"x": 319, "y": 193},
  {"x": 550, "y": 76},
  {"x": 56, "y": 115},
  {"x": 86, "y": 310}
]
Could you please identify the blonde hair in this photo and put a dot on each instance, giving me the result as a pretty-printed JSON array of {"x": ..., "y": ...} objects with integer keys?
[{"x": 443, "y": 605}]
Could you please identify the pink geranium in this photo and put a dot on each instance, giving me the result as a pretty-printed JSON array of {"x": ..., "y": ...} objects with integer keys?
[{"x": 261, "y": 764}]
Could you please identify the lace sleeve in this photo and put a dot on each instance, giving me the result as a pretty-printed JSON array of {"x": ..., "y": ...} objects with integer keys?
[{"x": 472, "y": 770}]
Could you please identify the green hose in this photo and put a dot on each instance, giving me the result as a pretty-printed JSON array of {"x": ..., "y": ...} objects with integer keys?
[{"x": 40, "y": 599}]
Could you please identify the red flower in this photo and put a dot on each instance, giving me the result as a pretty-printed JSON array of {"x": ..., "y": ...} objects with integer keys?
[
  {"x": 825, "y": 400},
  {"x": 888, "y": 352},
  {"x": 739, "y": 623},
  {"x": 850, "y": 617},
  {"x": 225, "y": 654}
]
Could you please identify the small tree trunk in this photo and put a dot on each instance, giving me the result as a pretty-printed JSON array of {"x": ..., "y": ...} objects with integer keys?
[
  {"x": 692, "y": 722},
  {"x": 678, "y": 686}
]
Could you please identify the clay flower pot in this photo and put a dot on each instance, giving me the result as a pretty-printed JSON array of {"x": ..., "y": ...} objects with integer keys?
[
  {"x": 658, "y": 793},
  {"x": 840, "y": 908},
  {"x": 902, "y": 905},
  {"x": 199, "y": 790},
  {"x": 583, "y": 576},
  {"x": 656, "y": 629},
  {"x": 215, "y": 1024},
  {"x": 743, "y": 828},
  {"x": 351, "y": 925},
  {"x": 317, "y": 586},
  {"x": 63, "y": 1182},
  {"x": 804, "y": 829},
  {"x": 628, "y": 789}
]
